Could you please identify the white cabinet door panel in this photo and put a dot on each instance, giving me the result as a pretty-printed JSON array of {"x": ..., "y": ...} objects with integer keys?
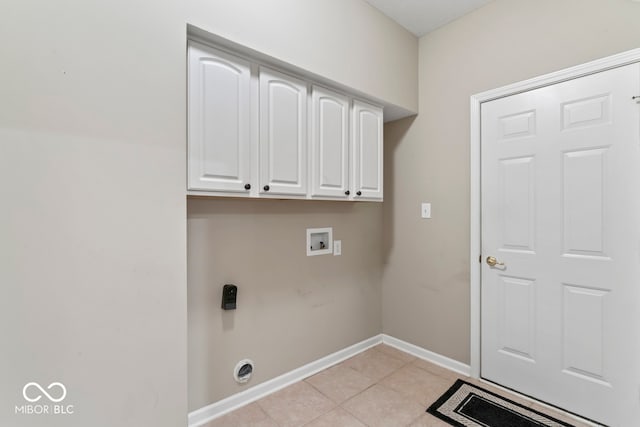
[
  {"x": 283, "y": 134},
  {"x": 219, "y": 120},
  {"x": 367, "y": 150},
  {"x": 330, "y": 144}
]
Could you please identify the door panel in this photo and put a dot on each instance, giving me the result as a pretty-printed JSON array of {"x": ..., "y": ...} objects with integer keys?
[
  {"x": 367, "y": 141},
  {"x": 518, "y": 204},
  {"x": 560, "y": 208},
  {"x": 517, "y": 317},
  {"x": 584, "y": 202},
  {"x": 219, "y": 120},
  {"x": 586, "y": 112},
  {"x": 582, "y": 332},
  {"x": 330, "y": 144},
  {"x": 283, "y": 134}
]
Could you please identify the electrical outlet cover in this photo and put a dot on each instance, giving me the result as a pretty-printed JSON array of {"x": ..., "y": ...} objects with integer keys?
[{"x": 426, "y": 210}]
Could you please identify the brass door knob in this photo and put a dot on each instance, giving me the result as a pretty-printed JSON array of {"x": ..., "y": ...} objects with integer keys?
[{"x": 492, "y": 261}]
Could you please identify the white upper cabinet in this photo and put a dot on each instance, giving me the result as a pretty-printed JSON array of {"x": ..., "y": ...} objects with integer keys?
[
  {"x": 219, "y": 121},
  {"x": 329, "y": 144},
  {"x": 367, "y": 151},
  {"x": 254, "y": 131},
  {"x": 283, "y": 134}
]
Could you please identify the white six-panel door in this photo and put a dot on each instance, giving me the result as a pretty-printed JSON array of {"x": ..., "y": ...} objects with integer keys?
[
  {"x": 283, "y": 134},
  {"x": 561, "y": 209},
  {"x": 219, "y": 120},
  {"x": 330, "y": 144}
]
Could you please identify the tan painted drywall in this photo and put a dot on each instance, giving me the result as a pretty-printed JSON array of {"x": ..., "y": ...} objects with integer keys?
[
  {"x": 92, "y": 177},
  {"x": 292, "y": 309},
  {"x": 426, "y": 272},
  {"x": 93, "y": 217}
]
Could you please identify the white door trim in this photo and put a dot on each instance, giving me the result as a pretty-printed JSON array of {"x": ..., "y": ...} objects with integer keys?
[{"x": 614, "y": 61}]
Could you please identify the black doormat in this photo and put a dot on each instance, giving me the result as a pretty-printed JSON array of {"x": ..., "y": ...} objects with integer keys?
[{"x": 466, "y": 405}]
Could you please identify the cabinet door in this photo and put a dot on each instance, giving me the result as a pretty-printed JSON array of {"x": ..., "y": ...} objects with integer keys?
[
  {"x": 367, "y": 151},
  {"x": 219, "y": 121},
  {"x": 283, "y": 134},
  {"x": 330, "y": 144}
]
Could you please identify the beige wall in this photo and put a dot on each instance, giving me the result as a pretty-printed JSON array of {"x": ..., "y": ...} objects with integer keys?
[
  {"x": 92, "y": 177},
  {"x": 92, "y": 224},
  {"x": 426, "y": 273},
  {"x": 292, "y": 309}
]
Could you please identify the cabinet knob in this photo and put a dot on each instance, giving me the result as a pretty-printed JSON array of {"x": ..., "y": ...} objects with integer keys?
[
  {"x": 266, "y": 188},
  {"x": 346, "y": 193},
  {"x": 247, "y": 186},
  {"x": 359, "y": 193}
]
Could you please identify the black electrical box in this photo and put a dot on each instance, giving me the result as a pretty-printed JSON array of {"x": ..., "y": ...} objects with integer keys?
[{"x": 229, "y": 295}]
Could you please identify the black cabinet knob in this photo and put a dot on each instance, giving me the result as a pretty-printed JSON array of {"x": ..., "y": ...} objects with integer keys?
[
  {"x": 346, "y": 193},
  {"x": 266, "y": 188},
  {"x": 247, "y": 186},
  {"x": 359, "y": 193}
]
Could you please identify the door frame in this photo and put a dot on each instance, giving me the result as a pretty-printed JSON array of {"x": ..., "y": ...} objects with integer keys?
[{"x": 475, "y": 248}]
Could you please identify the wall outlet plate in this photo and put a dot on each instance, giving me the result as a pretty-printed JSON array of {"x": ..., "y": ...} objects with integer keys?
[
  {"x": 337, "y": 247},
  {"x": 426, "y": 210}
]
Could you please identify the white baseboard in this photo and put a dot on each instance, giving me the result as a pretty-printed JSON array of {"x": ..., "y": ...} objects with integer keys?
[
  {"x": 427, "y": 355},
  {"x": 204, "y": 415},
  {"x": 217, "y": 409}
]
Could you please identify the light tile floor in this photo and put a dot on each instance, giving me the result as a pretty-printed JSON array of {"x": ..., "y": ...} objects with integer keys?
[{"x": 381, "y": 387}]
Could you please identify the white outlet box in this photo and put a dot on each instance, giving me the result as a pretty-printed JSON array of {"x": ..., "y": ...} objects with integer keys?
[
  {"x": 337, "y": 247},
  {"x": 319, "y": 241},
  {"x": 426, "y": 210}
]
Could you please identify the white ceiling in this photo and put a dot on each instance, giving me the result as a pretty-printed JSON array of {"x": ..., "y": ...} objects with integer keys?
[{"x": 423, "y": 16}]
